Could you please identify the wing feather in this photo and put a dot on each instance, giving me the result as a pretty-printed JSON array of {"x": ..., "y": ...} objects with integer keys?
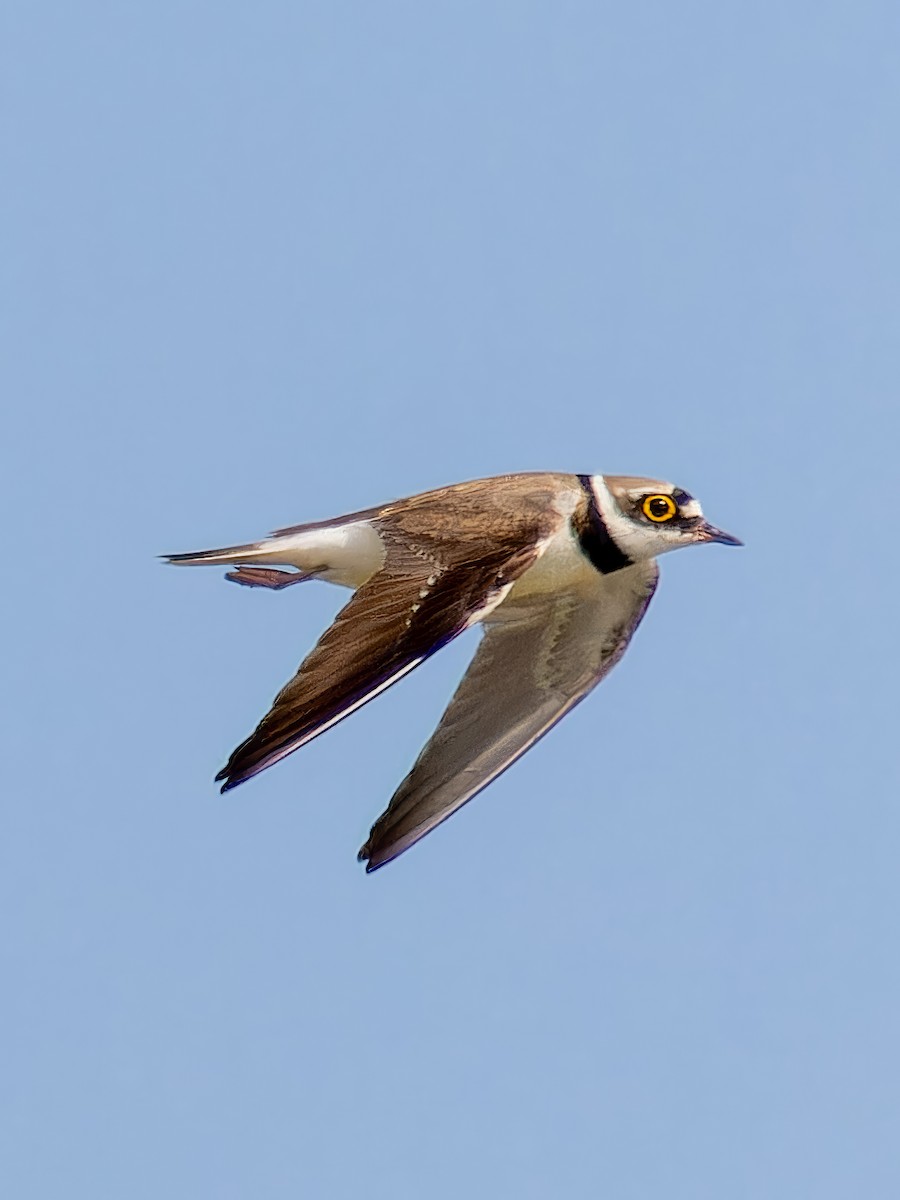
[
  {"x": 531, "y": 667},
  {"x": 420, "y": 600}
]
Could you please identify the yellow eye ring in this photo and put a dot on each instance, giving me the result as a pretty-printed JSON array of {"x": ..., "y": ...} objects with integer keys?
[{"x": 659, "y": 508}]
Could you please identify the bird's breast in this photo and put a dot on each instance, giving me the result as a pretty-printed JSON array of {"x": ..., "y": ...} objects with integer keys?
[{"x": 563, "y": 566}]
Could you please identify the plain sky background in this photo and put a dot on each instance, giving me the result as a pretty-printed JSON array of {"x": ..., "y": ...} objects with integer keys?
[{"x": 267, "y": 263}]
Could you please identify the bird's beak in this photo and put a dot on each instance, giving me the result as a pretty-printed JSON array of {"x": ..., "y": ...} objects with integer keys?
[{"x": 709, "y": 533}]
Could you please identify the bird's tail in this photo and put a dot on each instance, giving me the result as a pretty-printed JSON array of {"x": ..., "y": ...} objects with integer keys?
[
  {"x": 346, "y": 551},
  {"x": 251, "y": 552}
]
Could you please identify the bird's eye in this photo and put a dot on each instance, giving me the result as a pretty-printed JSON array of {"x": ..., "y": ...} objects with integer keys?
[{"x": 659, "y": 508}]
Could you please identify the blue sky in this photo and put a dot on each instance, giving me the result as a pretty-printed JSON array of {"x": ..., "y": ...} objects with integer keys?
[{"x": 264, "y": 264}]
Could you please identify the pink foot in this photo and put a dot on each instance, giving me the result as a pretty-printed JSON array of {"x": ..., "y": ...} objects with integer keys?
[{"x": 267, "y": 577}]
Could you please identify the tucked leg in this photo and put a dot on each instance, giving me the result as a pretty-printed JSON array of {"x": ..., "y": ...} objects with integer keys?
[{"x": 267, "y": 577}]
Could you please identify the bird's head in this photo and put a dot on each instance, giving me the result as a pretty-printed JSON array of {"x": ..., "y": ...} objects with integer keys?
[{"x": 647, "y": 517}]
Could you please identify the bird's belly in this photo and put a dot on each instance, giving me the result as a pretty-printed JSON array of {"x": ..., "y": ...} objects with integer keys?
[{"x": 347, "y": 555}]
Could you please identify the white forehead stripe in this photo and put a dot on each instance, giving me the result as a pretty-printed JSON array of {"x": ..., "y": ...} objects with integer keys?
[{"x": 691, "y": 509}]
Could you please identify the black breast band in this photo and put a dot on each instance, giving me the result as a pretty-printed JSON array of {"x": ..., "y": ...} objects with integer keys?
[{"x": 595, "y": 538}]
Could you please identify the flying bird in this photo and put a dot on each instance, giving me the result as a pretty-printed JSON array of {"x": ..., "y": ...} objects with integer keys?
[{"x": 557, "y": 568}]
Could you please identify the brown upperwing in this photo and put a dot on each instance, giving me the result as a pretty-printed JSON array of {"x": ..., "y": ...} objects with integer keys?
[{"x": 448, "y": 552}]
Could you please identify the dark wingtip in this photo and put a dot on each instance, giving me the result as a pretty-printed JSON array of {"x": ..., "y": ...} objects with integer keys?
[
  {"x": 365, "y": 856},
  {"x": 373, "y": 858}
]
